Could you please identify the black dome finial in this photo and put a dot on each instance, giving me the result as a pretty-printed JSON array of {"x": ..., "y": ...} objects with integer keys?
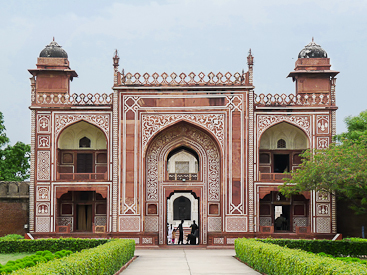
[
  {"x": 53, "y": 50},
  {"x": 312, "y": 50}
]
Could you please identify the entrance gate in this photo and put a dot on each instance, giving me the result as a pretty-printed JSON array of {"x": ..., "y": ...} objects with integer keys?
[{"x": 158, "y": 185}]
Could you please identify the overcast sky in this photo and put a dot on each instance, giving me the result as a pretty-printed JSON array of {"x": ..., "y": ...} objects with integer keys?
[{"x": 180, "y": 36}]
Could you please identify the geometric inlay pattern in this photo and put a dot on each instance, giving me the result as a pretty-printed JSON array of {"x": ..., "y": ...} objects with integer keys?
[
  {"x": 218, "y": 240},
  {"x": 323, "y": 225},
  {"x": 214, "y": 224},
  {"x": 130, "y": 224},
  {"x": 43, "y": 165},
  {"x": 265, "y": 221},
  {"x": 151, "y": 124},
  {"x": 63, "y": 221},
  {"x": 42, "y": 224},
  {"x": 147, "y": 241},
  {"x": 236, "y": 224},
  {"x": 100, "y": 220},
  {"x": 299, "y": 221},
  {"x": 151, "y": 224}
]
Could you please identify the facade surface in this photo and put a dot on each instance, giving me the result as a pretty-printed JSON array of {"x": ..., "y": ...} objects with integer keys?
[{"x": 162, "y": 148}]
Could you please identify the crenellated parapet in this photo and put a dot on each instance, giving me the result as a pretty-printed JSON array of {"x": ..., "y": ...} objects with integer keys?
[
  {"x": 14, "y": 190},
  {"x": 315, "y": 99},
  {"x": 160, "y": 80},
  {"x": 182, "y": 79},
  {"x": 74, "y": 99}
]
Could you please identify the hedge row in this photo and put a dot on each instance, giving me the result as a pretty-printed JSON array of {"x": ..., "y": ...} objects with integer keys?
[
  {"x": 353, "y": 248},
  {"x": 104, "y": 259},
  {"x": 32, "y": 260},
  {"x": 52, "y": 245},
  {"x": 276, "y": 260}
]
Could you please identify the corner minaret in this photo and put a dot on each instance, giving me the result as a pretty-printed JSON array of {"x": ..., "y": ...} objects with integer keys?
[
  {"x": 312, "y": 73},
  {"x": 53, "y": 74}
]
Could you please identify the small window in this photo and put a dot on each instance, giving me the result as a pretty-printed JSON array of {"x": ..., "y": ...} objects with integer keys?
[
  {"x": 281, "y": 144},
  {"x": 84, "y": 142}
]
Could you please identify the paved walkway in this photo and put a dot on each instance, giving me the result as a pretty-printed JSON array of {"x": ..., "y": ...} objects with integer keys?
[{"x": 186, "y": 262}]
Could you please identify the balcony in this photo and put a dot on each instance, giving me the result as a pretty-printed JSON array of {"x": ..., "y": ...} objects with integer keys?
[
  {"x": 82, "y": 176},
  {"x": 183, "y": 176},
  {"x": 271, "y": 177}
]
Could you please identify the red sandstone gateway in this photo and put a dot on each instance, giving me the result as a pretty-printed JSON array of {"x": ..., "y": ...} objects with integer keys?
[{"x": 166, "y": 147}]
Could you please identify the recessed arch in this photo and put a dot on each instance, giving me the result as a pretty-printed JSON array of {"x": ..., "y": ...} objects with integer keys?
[
  {"x": 287, "y": 132},
  {"x": 173, "y": 138},
  {"x": 70, "y": 136}
]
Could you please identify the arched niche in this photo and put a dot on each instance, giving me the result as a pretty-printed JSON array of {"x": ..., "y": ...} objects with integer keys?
[
  {"x": 208, "y": 187},
  {"x": 280, "y": 149},
  {"x": 82, "y": 153},
  {"x": 293, "y": 137},
  {"x": 71, "y": 136},
  {"x": 183, "y": 164}
]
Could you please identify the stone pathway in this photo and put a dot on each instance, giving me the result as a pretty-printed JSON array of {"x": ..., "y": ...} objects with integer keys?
[{"x": 186, "y": 262}]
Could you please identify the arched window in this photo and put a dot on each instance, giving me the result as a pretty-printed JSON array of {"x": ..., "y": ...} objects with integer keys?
[
  {"x": 182, "y": 208},
  {"x": 183, "y": 164},
  {"x": 84, "y": 142},
  {"x": 281, "y": 143}
]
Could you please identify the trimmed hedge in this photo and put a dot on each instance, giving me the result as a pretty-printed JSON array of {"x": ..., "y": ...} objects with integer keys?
[
  {"x": 32, "y": 260},
  {"x": 353, "y": 248},
  {"x": 276, "y": 260},
  {"x": 104, "y": 259},
  {"x": 11, "y": 237},
  {"x": 52, "y": 245}
]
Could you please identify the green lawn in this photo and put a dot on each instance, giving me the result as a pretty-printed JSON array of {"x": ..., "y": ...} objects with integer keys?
[{"x": 4, "y": 258}]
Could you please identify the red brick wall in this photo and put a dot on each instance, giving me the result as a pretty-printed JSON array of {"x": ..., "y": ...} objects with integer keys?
[{"x": 13, "y": 216}]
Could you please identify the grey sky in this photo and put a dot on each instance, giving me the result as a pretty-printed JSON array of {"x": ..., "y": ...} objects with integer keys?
[{"x": 180, "y": 36}]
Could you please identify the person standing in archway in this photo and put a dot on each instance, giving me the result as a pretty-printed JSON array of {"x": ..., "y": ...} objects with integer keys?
[
  {"x": 180, "y": 230},
  {"x": 191, "y": 238}
]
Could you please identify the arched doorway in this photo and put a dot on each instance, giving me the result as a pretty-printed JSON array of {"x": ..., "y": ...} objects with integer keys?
[
  {"x": 183, "y": 206},
  {"x": 182, "y": 143}
]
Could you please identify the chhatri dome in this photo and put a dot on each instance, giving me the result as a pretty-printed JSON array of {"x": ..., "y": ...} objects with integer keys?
[
  {"x": 312, "y": 50},
  {"x": 53, "y": 50}
]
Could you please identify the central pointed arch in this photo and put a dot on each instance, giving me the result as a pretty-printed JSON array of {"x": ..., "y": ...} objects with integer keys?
[{"x": 156, "y": 184}]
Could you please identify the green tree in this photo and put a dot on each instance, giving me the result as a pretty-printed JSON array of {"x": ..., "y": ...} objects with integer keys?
[
  {"x": 340, "y": 169},
  {"x": 14, "y": 160},
  {"x": 356, "y": 126}
]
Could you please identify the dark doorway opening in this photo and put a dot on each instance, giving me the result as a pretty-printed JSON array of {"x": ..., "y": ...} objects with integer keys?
[
  {"x": 84, "y": 163},
  {"x": 182, "y": 209},
  {"x": 84, "y": 217},
  {"x": 281, "y": 163},
  {"x": 282, "y": 217}
]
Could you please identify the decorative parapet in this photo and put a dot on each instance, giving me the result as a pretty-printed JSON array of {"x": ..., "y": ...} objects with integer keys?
[
  {"x": 74, "y": 99},
  {"x": 14, "y": 189},
  {"x": 292, "y": 100},
  {"x": 184, "y": 80}
]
